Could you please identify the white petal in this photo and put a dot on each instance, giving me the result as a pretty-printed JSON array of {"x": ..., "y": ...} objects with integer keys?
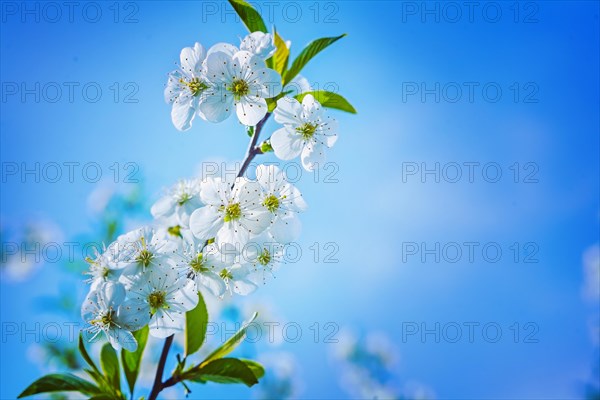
[
  {"x": 205, "y": 222},
  {"x": 244, "y": 287},
  {"x": 89, "y": 307},
  {"x": 191, "y": 59},
  {"x": 286, "y": 229},
  {"x": 247, "y": 62},
  {"x": 113, "y": 294},
  {"x": 247, "y": 193},
  {"x": 183, "y": 112},
  {"x": 214, "y": 191},
  {"x": 212, "y": 282},
  {"x": 293, "y": 199},
  {"x": 259, "y": 43},
  {"x": 122, "y": 338},
  {"x": 161, "y": 278},
  {"x": 164, "y": 324},
  {"x": 232, "y": 233},
  {"x": 217, "y": 105},
  {"x": 250, "y": 110},
  {"x": 256, "y": 221},
  {"x": 240, "y": 282},
  {"x": 313, "y": 156},
  {"x": 327, "y": 131},
  {"x": 269, "y": 81},
  {"x": 163, "y": 207},
  {"x": 185, "y": 299},
  {"x": 219, "y": 67},
  {"x": 312, "y": 108},
  {"x": 269, "y": 176},
  {"x": 288, "y": 111},
  {"x": 133, "y": 314},
  {"x": 226, "y": 48},
  {"x": 173, "y": 88},
  {"x": 298, "y": 85},
  {"x": 286, "y": 145}
]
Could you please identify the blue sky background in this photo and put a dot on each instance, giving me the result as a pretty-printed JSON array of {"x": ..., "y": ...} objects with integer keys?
[{"x": 371, "y": 211}]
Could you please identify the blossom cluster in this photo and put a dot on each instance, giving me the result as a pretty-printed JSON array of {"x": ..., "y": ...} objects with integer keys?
[
  {"x": 212, "y": 84},
  {"x": 212, "y": 234},
  {"x": 209, "y": 235}
]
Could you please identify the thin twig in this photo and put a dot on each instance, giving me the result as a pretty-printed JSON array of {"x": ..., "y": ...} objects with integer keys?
[
  {"x": 158, "y": 383},
  {"x": 253, "y": 150}
]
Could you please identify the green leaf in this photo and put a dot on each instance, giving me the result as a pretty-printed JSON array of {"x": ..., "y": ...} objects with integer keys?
[
  {"x": 110, "y": 366},
  {"x": 250, "y": 17},
  {"x": 196, "y": 322},
  {"x": 329, "y": 100},
  {"x": 230, "y": 344},
  {"x": 99, "y": 378},
  {"x": 225, "y": 370},
  {"x": 257, "y": 369},
  {"x": 86, "y": 356},
  {"x": 60, "y": 383},
  {"x": 281, "y": 56},
  {"x": 313, "y": 48},
  {"x": 132, "y": 360}
]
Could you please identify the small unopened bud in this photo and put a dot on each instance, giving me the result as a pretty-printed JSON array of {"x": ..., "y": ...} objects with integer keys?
[{"x": 265, "y": 147}]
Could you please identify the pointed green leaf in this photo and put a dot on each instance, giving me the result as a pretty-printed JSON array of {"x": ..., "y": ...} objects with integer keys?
[
  {"x": 196, "y": 322},
  {"x": 225, "y": 370},
  {"x": 329, "y": 100},
  {"x": 250, "y": 17},
  {"x": 257, "y": 369},
  {"x": 132, "y": 360},
  {"x": 98, "y": 378},
  {"x": 230, "y": 344},
  {"x": 61, "y": 383},
  {"x": 281, "y": 56},
  {"x": 110, "y": 366},
  {"x": 86, "y": 356},
  {"x": 313, "y": 48}
]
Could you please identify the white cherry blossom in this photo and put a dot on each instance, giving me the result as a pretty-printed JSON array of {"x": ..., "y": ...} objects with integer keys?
[
  {"x": 307, "y": 131},
  {"x": 106, "y": 310},
  {"x": 230, "y": 215},
  {"x": 283, "y": 200},
  {"x": 241, "y": 82},
  {"x": 203, "y": 263},
  {"x": 141, "y": 250},
  {"x": 179, "y": 202},
  {"x": 165, "y": 296}
]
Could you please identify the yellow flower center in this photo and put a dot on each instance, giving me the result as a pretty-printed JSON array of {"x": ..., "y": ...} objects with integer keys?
[
  {"x": 265, "y": 257},
  {"x": 195, "y": 85},
  {"x": 306, "y": 130},
  {"x": 156, "y": 300},
  {"x": 271, "y": 202},
  {"x": 239, "y": 88},
  {"x": 233, "y": 212}
]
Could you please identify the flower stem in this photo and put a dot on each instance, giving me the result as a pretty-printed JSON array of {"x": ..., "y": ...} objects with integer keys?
[
  {"x": 253, "y": 150},
  {"x": 158, "y": 383}
]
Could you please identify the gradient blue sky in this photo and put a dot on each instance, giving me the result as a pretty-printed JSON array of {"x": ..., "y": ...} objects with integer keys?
[{"x": 371, "y": 211}]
